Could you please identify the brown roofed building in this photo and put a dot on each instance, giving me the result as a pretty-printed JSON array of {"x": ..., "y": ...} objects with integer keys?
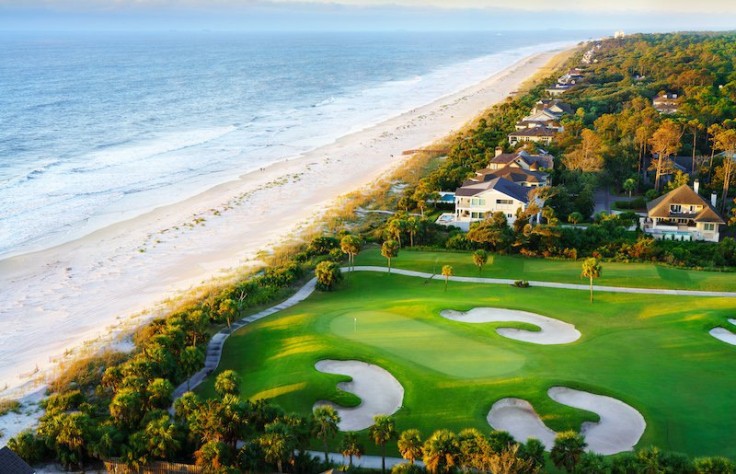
[
  {"x": 522, "y": 159},
  {"x": 666, "y": 103},
  {"x": 683, "y": 214}
]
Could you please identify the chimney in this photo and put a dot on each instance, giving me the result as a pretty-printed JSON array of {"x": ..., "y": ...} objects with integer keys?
[
  {"x": 713, "y": 199},
  {"x": 696, "y": 186},
  {"x": 499, "y": 151}
]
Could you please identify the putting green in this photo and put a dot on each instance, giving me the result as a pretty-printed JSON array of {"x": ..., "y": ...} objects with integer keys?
[{"x": 476, "y": 360}]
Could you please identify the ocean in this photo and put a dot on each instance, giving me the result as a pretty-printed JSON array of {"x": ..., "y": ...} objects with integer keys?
[{"x": 96, "y": 129}]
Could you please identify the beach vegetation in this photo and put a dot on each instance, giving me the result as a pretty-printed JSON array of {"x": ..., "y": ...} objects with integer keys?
[
  {"x": 328, "y": 275},
  {"x": 390, "y": 249}
]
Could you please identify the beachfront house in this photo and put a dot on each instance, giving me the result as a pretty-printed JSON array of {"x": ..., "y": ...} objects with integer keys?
[
  {"x": 478, "y": 200},
  {"x": 683, "y": 214},
  {"x": 542, "y": 135},
  {"x": 11, "y": 463},
  {"x": 666, "y": 103},
  {"x": 543, "y": 118},
  {"x": 546, "y": 114},
  {"x": 522, "y": 159}
]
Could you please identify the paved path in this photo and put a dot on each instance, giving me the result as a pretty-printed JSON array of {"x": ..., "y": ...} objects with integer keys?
[
  {"x": 367, "y": 462},
  {"x": 549, "y": 284},
  {"x": 214, "y": 348}
]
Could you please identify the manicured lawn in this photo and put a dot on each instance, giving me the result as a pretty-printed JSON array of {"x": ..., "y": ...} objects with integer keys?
[
  {"x": 652, "y": 352},
  {"x": 642, "y": 275}
]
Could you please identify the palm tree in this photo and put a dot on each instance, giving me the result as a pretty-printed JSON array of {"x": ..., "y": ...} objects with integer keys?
[
  {"x": 591, "y": 269},
  {"x": 474, "y": 449},
  {"x": 574, "y": 218},
  {"x": 629, "y": 185},
  {"x": 325, "y": 424},
  {"x": 350, "y": 245},
  {"x": 569, "y": 447},
  {"x": 277, "y": 444},
  {"x": 382, "y": 431},
  {"x": 351, "y": 446},
  {"x": 328, "y": 275},
  {"x": 390, "y": 249},
  {"x": 447, "y": 272},
  {"x": 441, "y": 451},
  {"x": 410, "y": 445},
  {"x": 227, "y": 383},
  {"x": 480, "y": 258},
  {"x": 413, "y": 225},
  {"x": 396, "y": 227},
  {"x": 162, "y": 437}
]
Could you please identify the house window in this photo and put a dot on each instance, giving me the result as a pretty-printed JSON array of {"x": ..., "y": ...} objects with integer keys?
[
  {"x": 477, "y": 202},
  {"x": 675, "y": 208},
  {"x": 709, "y": 227},
  {"x": 504, "y": 201},
  {"x": 509, "y": 216}
]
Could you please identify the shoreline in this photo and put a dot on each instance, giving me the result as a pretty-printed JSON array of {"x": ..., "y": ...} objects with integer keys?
[{"x": 96, "y": 288}]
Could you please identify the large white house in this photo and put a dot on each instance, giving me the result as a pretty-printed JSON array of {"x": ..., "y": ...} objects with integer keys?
[
  {"x": 683, "y": 214},
  {"x": 478, "y": 200}
]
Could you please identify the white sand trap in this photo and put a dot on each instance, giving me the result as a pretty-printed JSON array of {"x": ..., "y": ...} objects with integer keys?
[
  {"x": 620, "y": 426},
  {"x": 723, "y": 334},
  {"x": 518, "y": 417},
  {"x": 379, "y": 391},
  {"x": 619, "y": 429},
  {"x": 552, "y": 331}
]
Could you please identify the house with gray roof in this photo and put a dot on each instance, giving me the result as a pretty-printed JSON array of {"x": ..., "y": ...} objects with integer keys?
[
  {"x": 11, "y": 463},
  {"x": 683, "y": 214},
  {"x": 478, "y": 200}
]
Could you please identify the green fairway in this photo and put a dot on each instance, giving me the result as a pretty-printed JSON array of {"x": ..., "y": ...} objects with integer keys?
[
  {"x": 652, "y": 352},
  {"x": 640, "y": 275}
]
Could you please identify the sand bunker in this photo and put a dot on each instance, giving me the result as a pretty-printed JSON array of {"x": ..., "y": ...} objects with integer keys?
[
  {"x": 552, "y": 331},
  {"x": 723, "y": 334},
  {"x": 619, "y": 429},
  {"x": 380, "y": 392},
  {"x": 518, "y": 417}
]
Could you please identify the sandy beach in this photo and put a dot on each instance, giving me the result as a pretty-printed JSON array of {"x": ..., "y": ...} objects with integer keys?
[{"x": 87, "y": 292}]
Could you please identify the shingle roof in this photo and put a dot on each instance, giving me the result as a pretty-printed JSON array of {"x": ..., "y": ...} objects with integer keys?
[
  {"x": 660, "y": 207},
  {"x": 545, "y": 161},
  {"x": 516, "y": 175},
  {"x": 534, "y": 132},
  {"x": 502, "y": 185},
  {"x": 11, "y": 463}
]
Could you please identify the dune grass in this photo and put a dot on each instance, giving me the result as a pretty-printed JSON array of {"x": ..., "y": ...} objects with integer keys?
[
  {"x": 638, "y": 275},
  {"x": 652, "y": 352}
]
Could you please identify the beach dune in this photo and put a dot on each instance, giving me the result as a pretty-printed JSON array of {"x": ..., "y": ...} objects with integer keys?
[{"x": 90, "y": 289}]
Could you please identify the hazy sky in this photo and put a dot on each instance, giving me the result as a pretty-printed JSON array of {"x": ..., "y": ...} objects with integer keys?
[{"x": 301, "y": 15}]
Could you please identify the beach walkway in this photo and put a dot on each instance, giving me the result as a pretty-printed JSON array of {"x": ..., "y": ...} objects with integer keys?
[{"x": 215, "y": 346}]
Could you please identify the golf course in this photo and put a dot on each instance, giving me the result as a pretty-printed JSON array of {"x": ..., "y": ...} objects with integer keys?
[{"x": 650, "y": 352}]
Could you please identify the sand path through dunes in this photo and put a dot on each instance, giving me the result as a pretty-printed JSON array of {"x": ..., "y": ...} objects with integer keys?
[
  {"x": 723, "y": 334},
  {"x": 552, "y": 331},
  {"x": 380, "y": 392},
  {"x": 619, "y": 429}
]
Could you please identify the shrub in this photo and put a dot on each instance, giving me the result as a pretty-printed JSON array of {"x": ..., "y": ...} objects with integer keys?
[{"x": 521, "y": 284}]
